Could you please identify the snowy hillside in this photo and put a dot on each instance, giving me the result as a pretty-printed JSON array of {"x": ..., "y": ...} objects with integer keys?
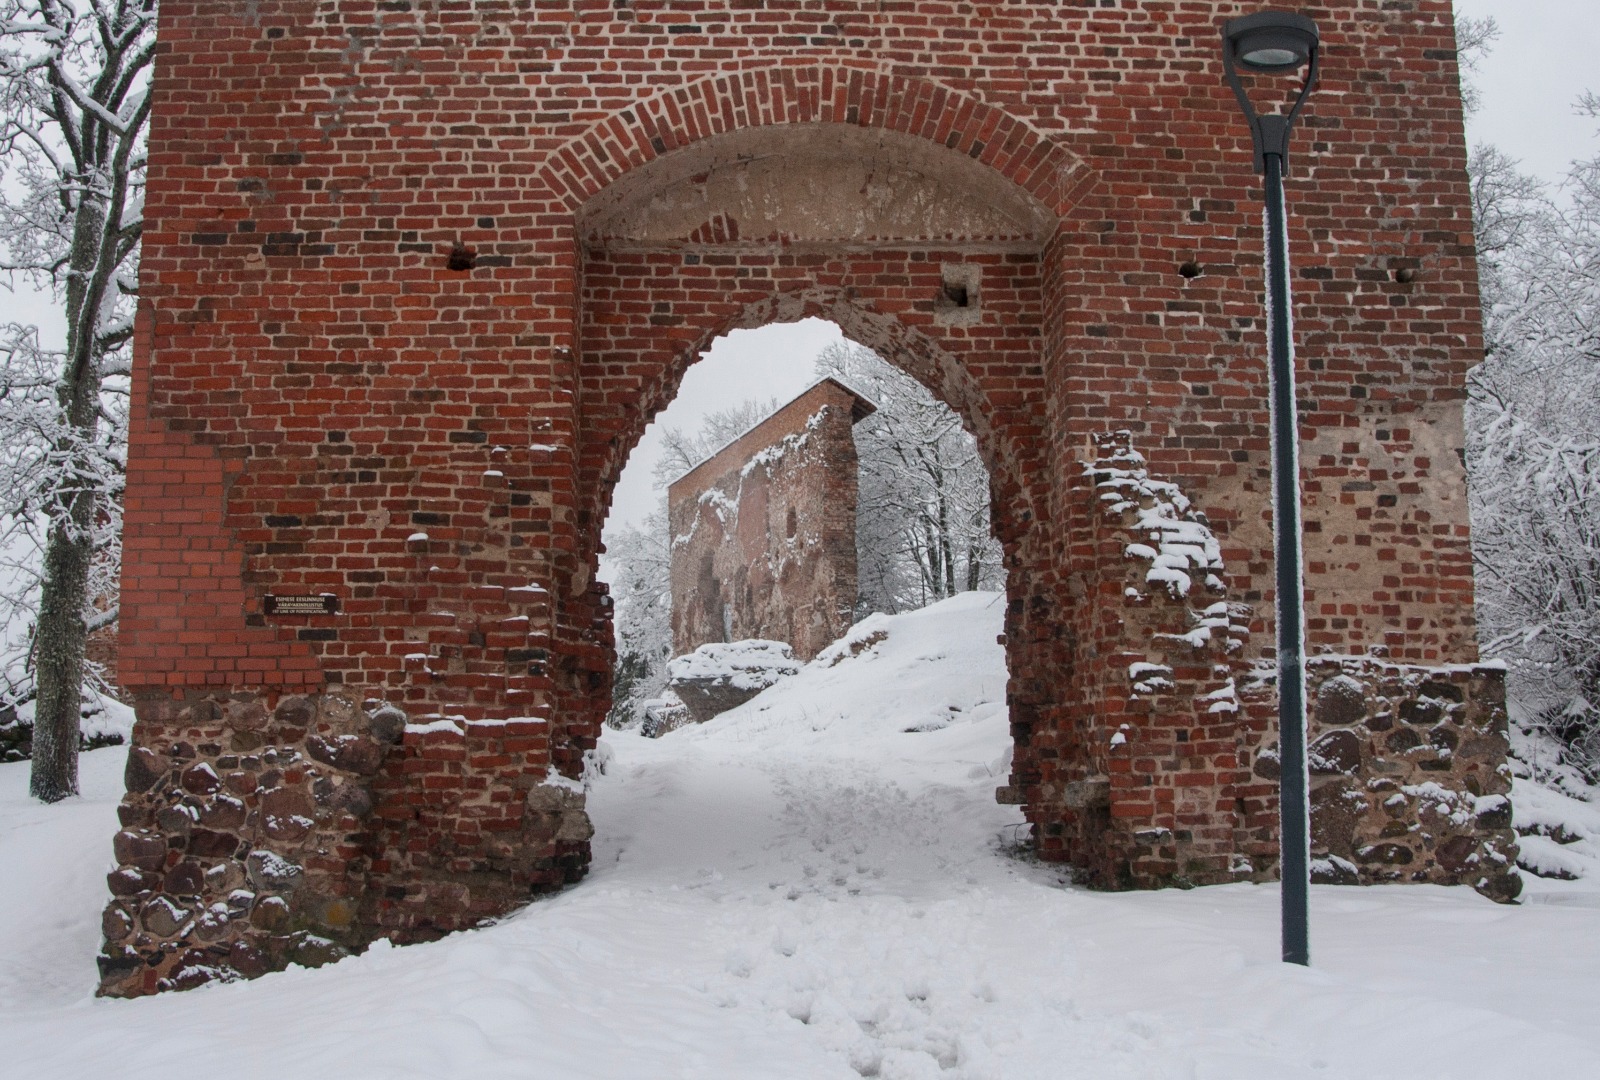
[{"x": 820, "y": 885}]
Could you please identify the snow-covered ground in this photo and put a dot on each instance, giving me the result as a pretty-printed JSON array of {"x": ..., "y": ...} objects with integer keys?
[{"x": 820, "y": 884}]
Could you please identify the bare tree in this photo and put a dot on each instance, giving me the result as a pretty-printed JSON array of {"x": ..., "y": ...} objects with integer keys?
[
  {"x": 641, "y": 590},
  {"x": 922, "y": 519},
  {"x": 682, "y": 449},
  {"x": 74, "y": 103},
  {"x": 1532, "y": 454},
  {"x": 1475, "y": 39}
]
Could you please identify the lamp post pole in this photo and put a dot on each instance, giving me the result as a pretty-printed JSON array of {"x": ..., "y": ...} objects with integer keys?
[
  {"x": 1272, "y": 42},
  {"x": 1294, "y": 809}
]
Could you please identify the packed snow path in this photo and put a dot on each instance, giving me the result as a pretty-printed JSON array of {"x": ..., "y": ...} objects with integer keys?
[{"x": 806, "y": 888}]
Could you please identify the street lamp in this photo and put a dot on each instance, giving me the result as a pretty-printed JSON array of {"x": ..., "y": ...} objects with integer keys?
[{"x": 1271, "y": 43}]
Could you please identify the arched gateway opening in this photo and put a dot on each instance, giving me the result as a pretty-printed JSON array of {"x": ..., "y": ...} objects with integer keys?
[
  {"x": 915, "y": 251},
  {"x": 394, "y": 360}
]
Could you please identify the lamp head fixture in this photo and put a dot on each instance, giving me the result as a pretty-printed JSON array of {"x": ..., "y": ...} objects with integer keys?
[{"x": 1270, "y": 43}]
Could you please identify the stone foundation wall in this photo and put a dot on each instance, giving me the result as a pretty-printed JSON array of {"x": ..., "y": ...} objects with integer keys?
[
  {"x": 253, "y": 838},
  {"x": 1409, "y": 778},
  {"x": 241, "y": 848}
]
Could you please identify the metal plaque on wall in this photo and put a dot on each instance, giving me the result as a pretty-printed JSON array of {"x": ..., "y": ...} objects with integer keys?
[{"x": 315, "y": 604}]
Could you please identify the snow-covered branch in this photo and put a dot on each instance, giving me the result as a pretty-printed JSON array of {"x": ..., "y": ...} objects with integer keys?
[
  {"x": 74, "y": 103},
  {"x": 1532, "y": 455}
]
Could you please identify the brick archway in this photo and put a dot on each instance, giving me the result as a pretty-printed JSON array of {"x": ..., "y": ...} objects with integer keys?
[
  {"x": 405, "y": 296},
  {"x": 657, "y": 287},
  {"x": 806, "y": 91}
]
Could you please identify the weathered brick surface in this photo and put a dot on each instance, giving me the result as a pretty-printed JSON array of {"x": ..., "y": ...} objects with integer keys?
[
  {"x": 764, "y": 531},
  {"x": 1169, "y": 773},
  {"x": 417, "y": 274}
]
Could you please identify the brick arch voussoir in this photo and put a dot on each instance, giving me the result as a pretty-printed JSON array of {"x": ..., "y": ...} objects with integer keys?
[{"x": 812, "y": 94}]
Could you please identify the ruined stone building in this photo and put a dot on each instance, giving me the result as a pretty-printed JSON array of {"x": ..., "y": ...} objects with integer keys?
[
  {"x": 764, "y": 531},
  {"x": 416, "y": 276}
]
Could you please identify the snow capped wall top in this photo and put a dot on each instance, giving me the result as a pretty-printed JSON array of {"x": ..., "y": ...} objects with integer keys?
[{"x": 861, "y": 407}]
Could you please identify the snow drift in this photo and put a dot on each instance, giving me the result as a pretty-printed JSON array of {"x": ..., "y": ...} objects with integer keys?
[{"x": 819, "y": 884}]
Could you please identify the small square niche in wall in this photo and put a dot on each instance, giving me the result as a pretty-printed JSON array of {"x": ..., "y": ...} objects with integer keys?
[{"x": 957, "y": 302}]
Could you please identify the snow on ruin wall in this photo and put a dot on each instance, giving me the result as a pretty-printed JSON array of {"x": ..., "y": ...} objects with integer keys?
[
  {"x": 764, "y": 532},
  {"x": 1171, "y": 773}
]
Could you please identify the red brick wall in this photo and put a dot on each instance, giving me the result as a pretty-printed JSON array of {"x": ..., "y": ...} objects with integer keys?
[
  {"x": 764, "y": 531},
  {"x": 324, "y": 404}
]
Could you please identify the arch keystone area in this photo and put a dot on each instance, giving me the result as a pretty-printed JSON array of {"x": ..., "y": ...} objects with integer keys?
[
  {"x": 448, "y": 296},
  {"x": 856, "y": 97}
]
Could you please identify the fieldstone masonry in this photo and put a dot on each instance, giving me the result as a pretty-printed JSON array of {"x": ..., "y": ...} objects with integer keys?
[
  {"x": 417, "y": 274},
  {"x": 241, "y": 843},
  {"x": 1409, "y": 780}
]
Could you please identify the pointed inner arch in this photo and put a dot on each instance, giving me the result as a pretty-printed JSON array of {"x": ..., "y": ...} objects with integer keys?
[
  {"x": 927, "y": 254},
  {"x": 902, "y": 346}
]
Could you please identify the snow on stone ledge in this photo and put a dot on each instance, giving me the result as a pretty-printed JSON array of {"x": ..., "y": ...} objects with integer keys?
[{"x": 434, "y": 723}]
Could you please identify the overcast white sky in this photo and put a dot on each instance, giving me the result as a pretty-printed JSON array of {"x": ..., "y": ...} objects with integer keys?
[{"x": 1547, "y": 54}]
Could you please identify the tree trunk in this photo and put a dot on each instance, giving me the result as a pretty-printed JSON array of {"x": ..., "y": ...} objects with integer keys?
[
  {"x": 946, "y": 549},
  {"x": 62, "y": 634},
  {"x": 932, "y": 574},
  {"x": 1580, "y": 726},
  {"x": 58, "y": 650}
]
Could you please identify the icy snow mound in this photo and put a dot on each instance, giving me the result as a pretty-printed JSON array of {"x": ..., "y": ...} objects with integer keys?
[
  {"x": 111, "y": 721},
  {"x": 1558, "y": 836},
  {"x": 107, "y": 722},
  {"x": 890, "y": 674},
  {"x": 744, "y": 665},
  {"x": 720, "y": 676}
]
